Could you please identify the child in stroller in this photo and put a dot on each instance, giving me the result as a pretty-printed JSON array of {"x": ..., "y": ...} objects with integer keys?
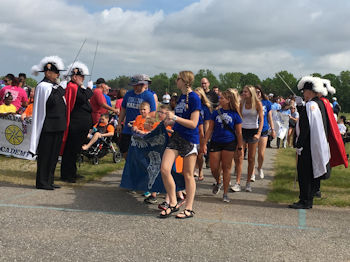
[{"x": 101, "y": 141}]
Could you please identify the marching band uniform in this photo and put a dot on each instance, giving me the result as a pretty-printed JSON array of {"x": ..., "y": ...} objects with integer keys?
[
  {"x": 312, "y": 145},
  {"x": 49, "y": 121},
  {"x": 79, "y": 121}
]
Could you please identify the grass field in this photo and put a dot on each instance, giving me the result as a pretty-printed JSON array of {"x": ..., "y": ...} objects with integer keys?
[
  {"x": 335, "y": 191},
  {"x": 22, "y": 172}
]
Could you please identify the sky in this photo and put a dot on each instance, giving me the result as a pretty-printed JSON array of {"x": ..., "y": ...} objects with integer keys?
[{"x": 154, "y": 36}]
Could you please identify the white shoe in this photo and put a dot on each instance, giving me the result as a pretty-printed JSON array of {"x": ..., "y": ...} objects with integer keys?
[
  {"x": 236, "y": 188},
  {"x": 248, "y": 188},
  {"x": 261, "y": 173},
  {"x": 252, "y": 179},
  {"x": 226, "y": 199}
]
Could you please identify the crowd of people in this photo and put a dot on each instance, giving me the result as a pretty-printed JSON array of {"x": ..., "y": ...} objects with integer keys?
[{"x": 220, "y": 128}]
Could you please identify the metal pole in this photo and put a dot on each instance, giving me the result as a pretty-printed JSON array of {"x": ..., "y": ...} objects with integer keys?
[
  {"x": 93, "y": 61},
  {"x": 285, "y": 83},
  {"x": 75, "y": 59}
]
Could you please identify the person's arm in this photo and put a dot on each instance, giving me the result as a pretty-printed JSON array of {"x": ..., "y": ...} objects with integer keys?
[
  {"x": 24, "y": 98},
  {"x": 189, "y": 123},
  {"x": 269, "y": 119},
  {"x": 207, "y": 136},
  {"x": 121, "y": 120},
  {"x": 259, "y": 108},
  {"x": 239, "y": 137}
]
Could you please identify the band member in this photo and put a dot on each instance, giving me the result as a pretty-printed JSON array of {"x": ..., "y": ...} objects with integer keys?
[
  {"x": 79, "y": 120},
  {"x": 312, "y": 129},
  {"x": 49, "y": 121}
]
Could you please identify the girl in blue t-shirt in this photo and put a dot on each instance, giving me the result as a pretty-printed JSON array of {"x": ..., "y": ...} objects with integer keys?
[
  {"x": 183, "y": 142},
  {"x": 225, "y": 134},
  {"x": 268, "y": 124},
  {"x": 204, "y": 118}
]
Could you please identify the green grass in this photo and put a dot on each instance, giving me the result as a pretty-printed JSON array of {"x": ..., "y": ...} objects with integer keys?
[
  {"x": 335, "y": 191},
  {"x": 22, "y": 172}
]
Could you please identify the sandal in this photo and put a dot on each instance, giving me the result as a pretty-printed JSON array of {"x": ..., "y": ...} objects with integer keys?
[
  {"x": 184, "y": 215},
  {"x": 172, "y": 210}
]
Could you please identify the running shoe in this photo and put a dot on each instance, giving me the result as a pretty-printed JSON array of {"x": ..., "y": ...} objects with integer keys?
[
  {"x": 236, "y": 188},
  {"x": 146, "y": 194},
  {"x": 226, "y": 199},
  {"x": 252, "y": 179},
  {"x": 261, "y": 173},
  {"x": 216, "y": 188},
  {"x": 151, "y": 200},
  {"x": 248, "y": 187}
]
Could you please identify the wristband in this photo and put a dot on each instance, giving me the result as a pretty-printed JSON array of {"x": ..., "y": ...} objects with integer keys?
[
  {"x": 174, "y": 117},
  {"x": 239, "y": 148}
]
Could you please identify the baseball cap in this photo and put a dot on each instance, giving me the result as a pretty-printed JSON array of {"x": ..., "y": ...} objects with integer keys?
[{"x": 141, "y": 79}]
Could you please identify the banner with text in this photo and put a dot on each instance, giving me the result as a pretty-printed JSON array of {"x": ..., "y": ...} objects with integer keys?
[{"x": 15, "y": 136}]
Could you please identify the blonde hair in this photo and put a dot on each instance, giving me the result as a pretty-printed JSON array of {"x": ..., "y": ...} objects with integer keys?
[
  {"x": 252, "y": 91},
  {"x": 188, "y": 78},
  {"x": 144, "y": 104},
  {"x": 204, "y": 98},
  {"x": 232, "y": 96}
]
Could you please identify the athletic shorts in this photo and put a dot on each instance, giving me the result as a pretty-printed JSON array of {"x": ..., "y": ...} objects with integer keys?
[
  {"x": 216, "y": 147},
  {"x": 125, "y": 140},
  {"x": 264, "y": 133},
  {"x": 248, "y": 135},
  {"x": 184, "y": 147}
]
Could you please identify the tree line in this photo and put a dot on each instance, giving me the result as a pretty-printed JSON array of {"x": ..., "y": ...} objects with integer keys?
[{"x": 162, "y": 82}]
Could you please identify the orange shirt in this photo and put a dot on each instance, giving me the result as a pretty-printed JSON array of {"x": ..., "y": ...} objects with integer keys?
[
  {"x": 29, "y": 110},
  {"x": 110, "y": 128}
]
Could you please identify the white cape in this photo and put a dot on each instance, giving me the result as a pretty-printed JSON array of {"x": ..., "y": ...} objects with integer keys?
[
  {"x": 320, "y": 152},
  {"x": 42, "y": 93}
]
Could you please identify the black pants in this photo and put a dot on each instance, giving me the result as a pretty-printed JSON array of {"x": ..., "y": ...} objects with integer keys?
[
  {"x": 75, "y": 140},
  {"x": 48, "y": 150},
  {"x": 307, "y": 183}
]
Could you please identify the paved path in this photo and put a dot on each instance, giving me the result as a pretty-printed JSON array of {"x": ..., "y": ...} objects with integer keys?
[{"x": 101, "y": 222}]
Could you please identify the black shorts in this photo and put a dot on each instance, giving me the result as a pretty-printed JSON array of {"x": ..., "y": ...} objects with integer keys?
[
  {"x": 248, "y": 135},
  {"x": 264, "y": 133},
  {"x": 216, "y": 147},
  {"x": 124, "y": 143},
  {"x": 183, "y": 146}
]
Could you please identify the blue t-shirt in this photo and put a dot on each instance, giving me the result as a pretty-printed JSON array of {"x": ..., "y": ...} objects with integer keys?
[
  {"x": 266, "y": 109},
  {"x": 131, "y": 103},
  {"x": 108, "y": 99},
  {"x": 194, "y": 104},
  {"x": 276, "y": 106},
  {"x": 220, "y": 133},
  {"x": 204, "y": 114}
]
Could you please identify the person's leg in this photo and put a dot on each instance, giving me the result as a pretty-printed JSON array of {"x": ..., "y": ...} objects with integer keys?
[
  {"x": 278, "y": 142},
  {"x": 55, "y": 151},
  {"x": 168, "y": 180},
  {"x": 238, "y": 167},
  {"x": 261, "y": 151},
  {"x": 92, "y": 141},
  {"x": 251, "y": 159},
  {"x": 290, "y": 136},
  {"x": 215, "y": 165},
  {"x": 200, "y": 162},
  {"x": 226, "y": 164},
  {"x": 189, "y": 163},
  {"x": 43, "y": 161}
]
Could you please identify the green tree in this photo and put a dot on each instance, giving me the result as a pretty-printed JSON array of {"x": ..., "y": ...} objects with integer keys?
[
  {"x": 278, "y": 87},
  {"x": 249, "y": 79},
  {"x": 31, "y": 82},
  {"x": 343, "y": 92},
  {"x": 207, "y": 74},
  {"x": 160, "y": 83},
  {"x": 230, "y": 80}
]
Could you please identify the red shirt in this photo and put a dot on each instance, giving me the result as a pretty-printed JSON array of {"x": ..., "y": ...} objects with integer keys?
[{"x": 96, "y": 101}]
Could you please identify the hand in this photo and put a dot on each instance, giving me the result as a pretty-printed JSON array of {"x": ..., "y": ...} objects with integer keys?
[
  {"x": 90, "y": 84},
  {"x": 298, "y": 150},
  {"x": 257, "y": 136},
  {"x": 169, "y": 115},
  {"x": 299, "y": 100},
  {"x": 273, "y": 133},
  {"x": 115, "y": 110},
  {"x": 23, "y": 116},
  {"x": 119, "y": 128},
  {"x": 63, "y": 84}
]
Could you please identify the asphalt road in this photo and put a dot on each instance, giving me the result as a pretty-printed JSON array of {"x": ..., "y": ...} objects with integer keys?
[{"x": 102, "y": 222}]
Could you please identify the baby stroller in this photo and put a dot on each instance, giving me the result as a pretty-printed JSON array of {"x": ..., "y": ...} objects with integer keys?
[{"x": 102, "y": 147}]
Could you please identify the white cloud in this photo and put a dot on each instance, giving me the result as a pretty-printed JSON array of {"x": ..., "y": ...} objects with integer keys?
[{"x": 261, "y": 37}]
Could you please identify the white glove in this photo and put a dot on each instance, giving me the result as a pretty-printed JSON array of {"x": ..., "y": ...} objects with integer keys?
[
  {"x": 83, "y": 87},
  {"x": 298, "y": 150},
  {"x": 299, "y": 100},
  {"x": 90, "y": 84},
  {"x": 63, "y": 84}
]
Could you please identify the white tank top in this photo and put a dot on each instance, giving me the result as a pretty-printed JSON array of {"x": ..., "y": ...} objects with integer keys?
[{"x": 250, "y": 118}]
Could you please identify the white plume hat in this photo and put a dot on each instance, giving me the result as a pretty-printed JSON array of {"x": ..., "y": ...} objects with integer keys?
[
  {"x": 78, "y": 68},
  {"x": 312, "y": 83},
  {"x": 328, "y": 86},
  {"x": 55, "y": 61}
]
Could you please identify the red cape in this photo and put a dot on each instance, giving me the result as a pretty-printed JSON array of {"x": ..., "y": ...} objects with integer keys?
[
  {"x": 71, "y": 94},
  {"x": 336, "y": 144}
]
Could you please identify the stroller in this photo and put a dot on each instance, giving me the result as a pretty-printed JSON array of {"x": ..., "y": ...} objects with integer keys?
[{"x": 102, "y": 147}]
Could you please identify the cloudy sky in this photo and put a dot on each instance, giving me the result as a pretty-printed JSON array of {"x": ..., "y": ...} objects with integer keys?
[{"x": 153, "y": 36}]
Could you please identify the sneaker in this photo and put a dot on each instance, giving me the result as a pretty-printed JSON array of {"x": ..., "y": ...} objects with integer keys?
[
  {"x": 236, "y": 188},
  {"x": 146, "y": 194},
  {"x": 163, "y": 205},
  {"x": 226, "y": 199},
  {"x": 151, "y": 200},
  {"x": 216, "y": 188},
  {"x": 261, "y": 173},
  {"x": 252, "y": 179},
  {"x": 248, "y": 187}
]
